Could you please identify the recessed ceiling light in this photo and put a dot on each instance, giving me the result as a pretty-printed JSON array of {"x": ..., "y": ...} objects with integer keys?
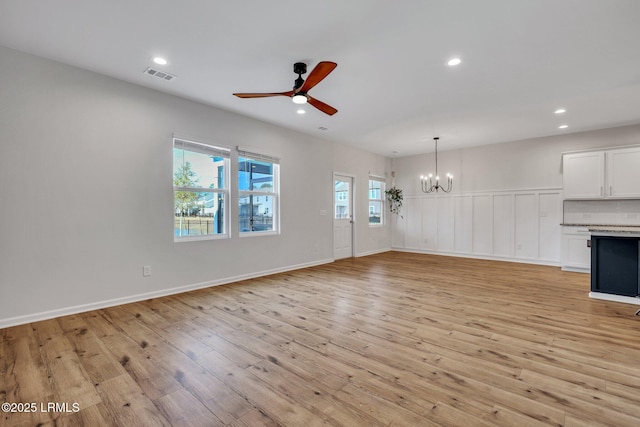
[
  {"x": 560, "y": 111},
  {"x": 563, "y": 126},
  {"x": 454, "y": 61},
  {"x": 301, "y": 111},
  {"x": 160, "y": 61}
]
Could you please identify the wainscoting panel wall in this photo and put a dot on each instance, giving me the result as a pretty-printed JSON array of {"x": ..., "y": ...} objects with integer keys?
[
  {"x": 550, "y": 209},
  {"x": 445, "y": 224},
  {"x": 429, "y": 239},
  {"x": 463, "y": 206},
  {"x": 526, "y": 226},
  {"x": 513, "y": 225},
  {"x": 482, "y": 225},
  {"x": 503, "y": 225}
]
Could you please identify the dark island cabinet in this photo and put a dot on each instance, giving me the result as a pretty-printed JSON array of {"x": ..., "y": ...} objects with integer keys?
[{"x": 615, "y": 266}]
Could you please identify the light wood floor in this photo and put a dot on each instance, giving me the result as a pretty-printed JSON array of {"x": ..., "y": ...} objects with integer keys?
[{"x": 390, "y": 339}]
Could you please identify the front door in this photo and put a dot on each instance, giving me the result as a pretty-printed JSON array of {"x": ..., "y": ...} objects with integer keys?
[{"x": 342, "y": 216}]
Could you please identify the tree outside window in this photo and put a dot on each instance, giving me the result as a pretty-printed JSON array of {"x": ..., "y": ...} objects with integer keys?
[{"x": 200, "y": 190}]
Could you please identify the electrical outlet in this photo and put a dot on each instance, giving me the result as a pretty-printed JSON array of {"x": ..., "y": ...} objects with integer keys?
[{"x": 146, "y": 271}]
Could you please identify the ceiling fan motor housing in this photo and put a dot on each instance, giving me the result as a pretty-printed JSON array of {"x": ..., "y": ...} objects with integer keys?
[{"x": 300, "y": 68}]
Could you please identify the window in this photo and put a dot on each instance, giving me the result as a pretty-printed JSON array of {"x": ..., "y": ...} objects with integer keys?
[
  {"x": 342, "y": 209},
  {"x": 200, "y": 188},
  {"x": 376, "y": 200},
  {"x": 258, "y": 192}
]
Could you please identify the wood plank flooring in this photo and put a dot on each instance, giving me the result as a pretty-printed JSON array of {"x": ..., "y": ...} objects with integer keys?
[{"x": 389, "y": 339}]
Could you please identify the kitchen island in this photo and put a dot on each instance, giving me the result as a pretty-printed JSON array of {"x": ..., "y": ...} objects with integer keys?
[{"x": 615, "y": 263}]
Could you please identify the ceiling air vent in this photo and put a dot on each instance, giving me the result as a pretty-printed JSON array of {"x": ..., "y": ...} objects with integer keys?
[{"x": 160, "y": 74}]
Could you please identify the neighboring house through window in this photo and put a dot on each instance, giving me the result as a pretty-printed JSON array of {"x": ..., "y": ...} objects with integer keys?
[
  {"x": 200, "y": 189},
  {"x": 342, "y": 202},
  {"x": 376, "y": 200},
  {"x": 258, "y": 192}
]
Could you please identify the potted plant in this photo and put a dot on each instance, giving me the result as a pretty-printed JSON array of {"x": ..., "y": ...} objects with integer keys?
[{"x": 394, "y": 197}]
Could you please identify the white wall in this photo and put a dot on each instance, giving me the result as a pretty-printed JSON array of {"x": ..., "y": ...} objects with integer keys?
[
  {"x": 86, "y": 193},
  {"x": 506, "y": 202},
  {"x": 353, "y": 162}
]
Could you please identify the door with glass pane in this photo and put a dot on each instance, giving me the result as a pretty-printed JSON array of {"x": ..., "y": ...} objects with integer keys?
[{"x": 342, "y": 216}]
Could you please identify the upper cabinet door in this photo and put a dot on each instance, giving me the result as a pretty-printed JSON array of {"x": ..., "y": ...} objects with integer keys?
[
  {"x": 623, "y": 173},
  {"x": 583, "y": 175}
]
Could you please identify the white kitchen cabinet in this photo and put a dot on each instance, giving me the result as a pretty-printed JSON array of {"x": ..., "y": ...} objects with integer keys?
[
  {"x": 583, "y": 175},
  {"x": 606, "y": 174},
  {"x": 576, "y": 253},
  {"x": 623, "y": 173}
]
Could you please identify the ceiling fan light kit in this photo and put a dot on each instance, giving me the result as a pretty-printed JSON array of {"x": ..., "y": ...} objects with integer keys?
[
  {"x": 301, "y": 87},
  {"x": 299, "y": 98}
]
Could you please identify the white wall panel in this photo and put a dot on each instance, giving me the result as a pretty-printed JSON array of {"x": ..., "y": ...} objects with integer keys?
[
  {"x": 413, "y": 217},
  {"x": 526, "y": 220},
  {"x": 398, "y": 226},
  {"x": 550, "y": 231},
  {"x": 429, "y": 224},
  {"x": 445, "y": 224},
  {"x": 463, "y": 214},
  {"x": 482, "y": 226},
  {"x": 518, "y": 225},
  {"x": 503, "y": 225}
]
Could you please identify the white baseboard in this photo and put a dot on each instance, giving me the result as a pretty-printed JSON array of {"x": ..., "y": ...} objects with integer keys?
[
  {"x": 615, "y": 298},
  {"x": 374, "y": 252},
  {"x": 475, "y": 256},
  {"x": 36, "y": 317},
  {"x": 576, "y": 269}
]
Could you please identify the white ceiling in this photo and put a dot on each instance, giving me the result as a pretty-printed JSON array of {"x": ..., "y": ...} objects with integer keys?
[{"x": 522, "y": 59}]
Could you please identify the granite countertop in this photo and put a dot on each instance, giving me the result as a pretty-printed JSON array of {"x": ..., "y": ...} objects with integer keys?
[
  {"x": 618, "y": 229},
  {"x": 608, "y": 229},
  {"x": 569, "y": 224}
]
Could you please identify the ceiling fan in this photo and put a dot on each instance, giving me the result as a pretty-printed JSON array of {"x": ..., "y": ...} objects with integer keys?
[{"x": 301, "y": 87}]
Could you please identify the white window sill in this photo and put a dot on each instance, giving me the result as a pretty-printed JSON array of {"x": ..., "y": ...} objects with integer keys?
[
  {"x": 184, "y": 239},
  {"x": 258, "y": 233}
]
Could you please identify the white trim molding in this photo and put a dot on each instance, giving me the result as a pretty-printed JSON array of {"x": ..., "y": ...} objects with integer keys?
[{"x": 36, "y": 317}]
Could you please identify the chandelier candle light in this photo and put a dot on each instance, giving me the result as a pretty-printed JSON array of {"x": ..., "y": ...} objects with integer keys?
[{"x": 427, "y": 181}]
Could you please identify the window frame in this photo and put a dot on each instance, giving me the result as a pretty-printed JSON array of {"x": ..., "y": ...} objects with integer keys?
[
  {"x": 252, "y": 154},
  {"x": 381, "y": 200},
  {"x": 206, "y": 148}
]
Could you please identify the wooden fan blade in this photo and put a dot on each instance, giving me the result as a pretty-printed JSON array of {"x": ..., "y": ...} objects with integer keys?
[
  {"x": 325, "y": 108},
  {"x": 263, "y": 95},
  {"x": 321, "y": 71}
]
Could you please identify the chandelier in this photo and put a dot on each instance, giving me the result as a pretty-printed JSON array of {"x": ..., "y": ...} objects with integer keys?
[{"x": 427, "y": 181}]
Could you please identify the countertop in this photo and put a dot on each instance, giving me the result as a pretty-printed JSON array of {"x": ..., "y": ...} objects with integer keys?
[
  {"x": 569, "y": 224},
  {"x": 615, "y": 230}
]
